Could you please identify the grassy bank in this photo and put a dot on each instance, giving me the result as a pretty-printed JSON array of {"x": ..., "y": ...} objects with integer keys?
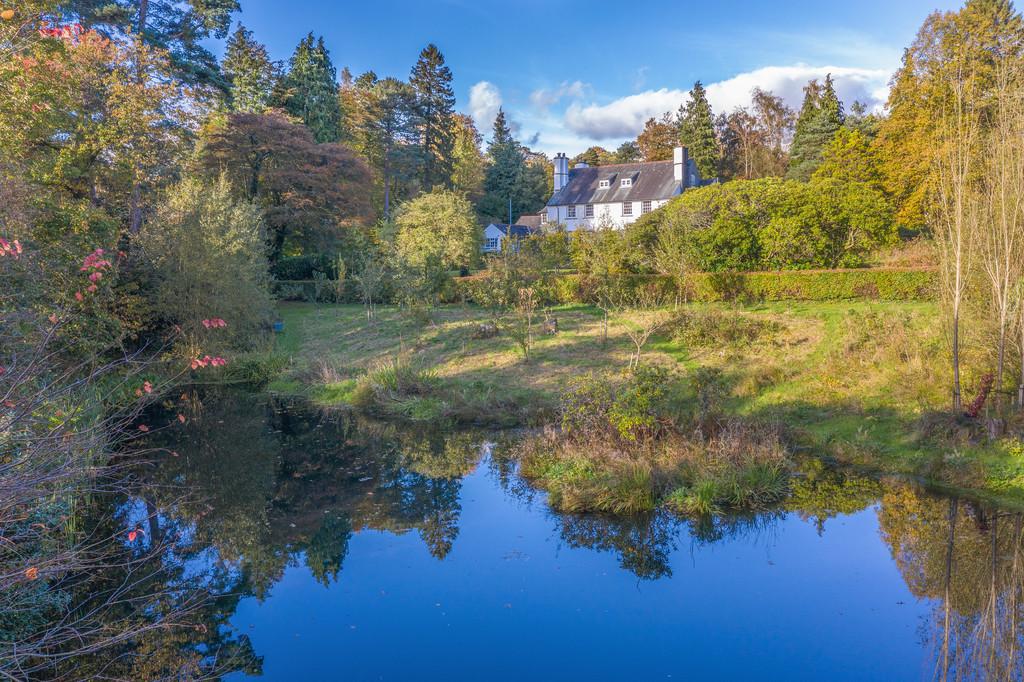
[{"x": 862, "y": 383}]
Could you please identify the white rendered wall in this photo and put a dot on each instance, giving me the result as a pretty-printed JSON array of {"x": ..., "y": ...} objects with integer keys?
[{"x": 604, "y": 214}]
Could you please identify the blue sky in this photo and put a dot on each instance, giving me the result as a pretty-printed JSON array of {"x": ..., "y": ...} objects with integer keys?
[{"x": 573, "y": 73}]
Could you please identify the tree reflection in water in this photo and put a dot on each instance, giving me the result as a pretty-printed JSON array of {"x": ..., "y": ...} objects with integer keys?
[{"x": 251, "y": 486}]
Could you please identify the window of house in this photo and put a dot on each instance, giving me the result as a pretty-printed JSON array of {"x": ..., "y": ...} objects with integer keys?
[
  {"x": 626, "y": 182},
  {"x": 588, "y": 211},
  {"x": 645, "y": 207},
  {"x": 491, "y": 244},
  {"x": 627, "y": 208},
  {"x": 571, "y": 212},
  {"x": 604, "y": 184}
]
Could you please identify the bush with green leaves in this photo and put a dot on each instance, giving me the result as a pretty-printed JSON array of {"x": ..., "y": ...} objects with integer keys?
[
  {"x": 207, "y": 254},
  {"x": 766, "y": 224},
  {"x": 717, "y": 328},
  {"x": 439, "y": 226},
  {"x": 636, "y": 406}
]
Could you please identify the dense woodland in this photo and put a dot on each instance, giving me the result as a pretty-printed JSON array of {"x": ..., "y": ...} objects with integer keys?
[{"x": 152, "y": 197}]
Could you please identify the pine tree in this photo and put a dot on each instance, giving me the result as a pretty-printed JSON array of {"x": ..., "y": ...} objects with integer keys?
[
  {"x": 387, "y": 131},
  {"x": 311, "y": 90},
  {"x": 505, "y": 172},
  {"x": 821, "y": 117},
  {"x": 697, "y": 131},
  {"x": 250, "y": 73},
  {"x": 432, "y": 82},
  {"x": 180, "y": 28}
]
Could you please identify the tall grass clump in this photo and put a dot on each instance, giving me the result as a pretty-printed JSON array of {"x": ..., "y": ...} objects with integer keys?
[{"x": 629, "y": 444}]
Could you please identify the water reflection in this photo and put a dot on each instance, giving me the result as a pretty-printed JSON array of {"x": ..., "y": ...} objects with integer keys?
[{"x": 273, "y": 485}]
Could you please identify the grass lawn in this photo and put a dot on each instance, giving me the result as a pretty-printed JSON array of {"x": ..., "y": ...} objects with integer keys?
[{"x": 849, "y": 381}]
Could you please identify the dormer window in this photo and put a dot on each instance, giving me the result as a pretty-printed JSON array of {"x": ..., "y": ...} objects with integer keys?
[
  {"x": 626, "y": 182},
  {"x": 604, "y": 184}
]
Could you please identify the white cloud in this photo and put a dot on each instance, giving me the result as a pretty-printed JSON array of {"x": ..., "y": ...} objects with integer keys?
[
  {"x": 544, "y": 97},
  {"x": 866, "y": 85},
  {"x": 625, "y": 117},
  {"x": 484, "y": 102}
]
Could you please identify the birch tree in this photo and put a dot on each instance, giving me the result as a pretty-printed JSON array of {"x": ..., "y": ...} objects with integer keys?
[{"x": 956, "y": 216}]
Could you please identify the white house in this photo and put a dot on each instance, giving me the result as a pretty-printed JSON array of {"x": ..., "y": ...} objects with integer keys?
[
  {"x": 614, "y": 196},
  {"x": 496, "y": 233}
]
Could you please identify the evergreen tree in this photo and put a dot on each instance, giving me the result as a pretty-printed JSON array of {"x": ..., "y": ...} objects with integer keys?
[
  {"x": 311, "y": 90},
  {"x": 504, "y": 174},
  {"x": 821, "y": 117},
  {"x": 697, "y": 131},
  {"x": 250, "y": 73},
  {"x": 628, "y": 152},
  {"x": 387, "y": 129},
  {"x": 432, "y": 82},
  {"x": 177, "y": 27}
]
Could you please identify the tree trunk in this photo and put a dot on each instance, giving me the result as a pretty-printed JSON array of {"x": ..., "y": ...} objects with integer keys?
[
  {"x": 956, "y": 359},
  {"x": 1020, "y": 386},
  {"x": 387, "y": 188}
]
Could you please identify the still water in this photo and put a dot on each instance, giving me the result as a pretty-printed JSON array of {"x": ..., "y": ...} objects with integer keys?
[{"x": 348, "y": 550}]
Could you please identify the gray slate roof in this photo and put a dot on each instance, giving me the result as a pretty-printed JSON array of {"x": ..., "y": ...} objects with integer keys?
[
  {"x": 518, "y": 231},
  {"x": 531, "y": 220},
  {"x": 652, "y": 181}
]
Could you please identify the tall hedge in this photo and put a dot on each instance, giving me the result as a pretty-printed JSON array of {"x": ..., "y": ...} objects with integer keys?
[{"x": 791, "y": 285}]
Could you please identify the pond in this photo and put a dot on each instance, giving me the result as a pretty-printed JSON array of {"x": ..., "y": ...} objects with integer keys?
[{"x": 346, "y": 549}]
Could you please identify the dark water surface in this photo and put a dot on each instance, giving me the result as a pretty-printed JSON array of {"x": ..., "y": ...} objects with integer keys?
[{"x": 357, "y": 551}]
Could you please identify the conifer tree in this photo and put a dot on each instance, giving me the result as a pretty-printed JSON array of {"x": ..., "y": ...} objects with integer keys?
[
  {"x": 387, "y": 129},
  {"x": 504, "y": 175},
  {"x": 821, "y": 117},
  {"x": 311, "y": 90},
  {"x": 697, "y": 131},
  {"x": 432, "y": 82},
  {"x": 250, "y": 73},
  {"x": 180, "y": 28}
]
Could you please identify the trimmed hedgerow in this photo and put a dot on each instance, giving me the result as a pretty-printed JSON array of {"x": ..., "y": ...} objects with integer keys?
[{"x": 801, "y": 285}]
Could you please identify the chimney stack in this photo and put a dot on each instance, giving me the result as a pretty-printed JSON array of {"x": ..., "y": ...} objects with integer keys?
[
  {"x": 561, "y": 164},
  {"x": 680, "y": 163}
]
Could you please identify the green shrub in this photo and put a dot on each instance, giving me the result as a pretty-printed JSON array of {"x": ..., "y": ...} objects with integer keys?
[
  {"x": 715, "y": 328},
  {"x": 207, "y": 253},
  {"x": 888, "y": 284},
  {"x": 303, "y": 267}
]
